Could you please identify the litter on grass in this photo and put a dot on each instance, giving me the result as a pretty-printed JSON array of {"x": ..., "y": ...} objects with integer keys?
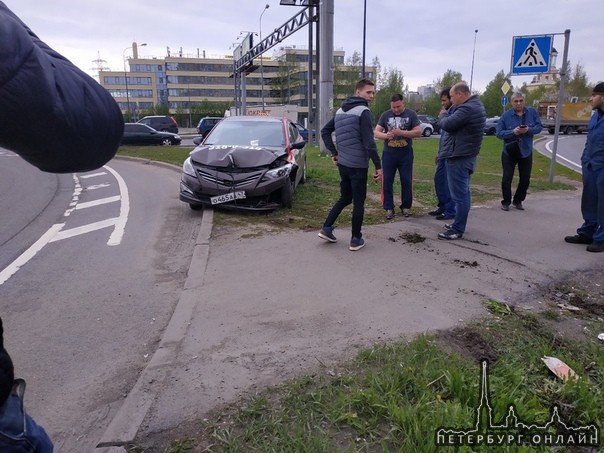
[{"x": 559, "y": 368}]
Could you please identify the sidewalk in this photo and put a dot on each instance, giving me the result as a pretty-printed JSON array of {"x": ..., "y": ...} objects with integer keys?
[{"x": 257, "y": 310}]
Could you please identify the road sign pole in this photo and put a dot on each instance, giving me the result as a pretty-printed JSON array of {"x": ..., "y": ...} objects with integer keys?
[{"x": 559, "y": 107}]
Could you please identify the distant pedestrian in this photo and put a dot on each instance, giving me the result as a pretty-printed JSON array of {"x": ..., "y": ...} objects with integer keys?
[
  {"x": 517, "y": 127},
  {"x": 352, "y": 124},
  {"x": 397, "y": 127},
  {"x": 592, "y": 169},
  {"x": 445, "y": 209},
  {"x": 465, "y": 129}
]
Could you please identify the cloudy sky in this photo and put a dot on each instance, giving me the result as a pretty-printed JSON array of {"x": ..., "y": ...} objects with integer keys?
[{"x": 420, "y": 38}]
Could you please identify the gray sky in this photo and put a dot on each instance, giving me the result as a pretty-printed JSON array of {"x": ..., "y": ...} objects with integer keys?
[{"x": 420, "y": 38}]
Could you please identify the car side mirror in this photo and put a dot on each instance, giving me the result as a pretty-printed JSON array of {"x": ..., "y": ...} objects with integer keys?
[
  {"x": 299, "y": 145},
  {"x": 197, "y": 141}
]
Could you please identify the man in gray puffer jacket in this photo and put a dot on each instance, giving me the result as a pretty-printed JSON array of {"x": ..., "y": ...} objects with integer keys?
[
  {"x": 356, "y": 146},
  {"x": 52, "y": 114},
  {"x": 461, "y": 145}
]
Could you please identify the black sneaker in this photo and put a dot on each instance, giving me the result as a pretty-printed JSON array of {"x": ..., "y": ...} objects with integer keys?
[
  {"x": 578, "y": 239},
  {"x": 443, "y": 216},
  {"x": 435, "y": 212},
  {"x": 519, "y": 206},
  {"x": 327, "y": 234},
  {"x": 406, "y": 212},
  {"x": 389, "y": 214},
  {"x": 595, "y": 247},
  {"x": 450, "y": 235},
  {"x": 505, "y": 207}
]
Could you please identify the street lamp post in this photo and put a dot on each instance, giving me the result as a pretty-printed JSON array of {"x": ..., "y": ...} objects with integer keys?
[
  {"x": 473, "y": 53},
  {"x": 126, "y": 76},
  {"x": 267, "y": 6}
]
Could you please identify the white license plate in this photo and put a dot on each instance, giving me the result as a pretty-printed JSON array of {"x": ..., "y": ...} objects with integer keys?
[{"x": 227, "y": 197}]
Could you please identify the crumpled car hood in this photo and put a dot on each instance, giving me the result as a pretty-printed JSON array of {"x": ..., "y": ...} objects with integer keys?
[{"x": 242, "y": 156}]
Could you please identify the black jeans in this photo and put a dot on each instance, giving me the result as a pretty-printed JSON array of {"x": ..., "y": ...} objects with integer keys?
[
  {"x": 525, "y": 165},
  {"x": 353, "y": 189}
]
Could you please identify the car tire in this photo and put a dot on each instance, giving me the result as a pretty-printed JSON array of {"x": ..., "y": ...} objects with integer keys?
[
  {"x": 427, "y": 132},
  {"x": 287, "y": 194},
  {"x": 195, "y": 207},
  {"x": 167, "y": 141}
]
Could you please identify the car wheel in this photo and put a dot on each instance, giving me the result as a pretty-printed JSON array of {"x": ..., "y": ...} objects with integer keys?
[
  {"x": 303, "y": 169},
  {"x": 427, "y": 132},
  {"x": 491, "y": 131},
  {"x": 195, "y": 207},
  {"x": 167, "y": 141},
  {"x": 287, "y": 194}
]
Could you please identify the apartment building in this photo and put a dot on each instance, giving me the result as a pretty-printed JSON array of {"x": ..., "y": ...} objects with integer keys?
[{"x": 181, "y": 81}]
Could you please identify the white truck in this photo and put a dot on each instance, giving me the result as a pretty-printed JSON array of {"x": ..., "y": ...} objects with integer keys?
[{"x": 288, "y": 111}]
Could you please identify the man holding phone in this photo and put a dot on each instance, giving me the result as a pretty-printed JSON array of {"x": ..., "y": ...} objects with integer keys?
[{"x": 516, "y": 128}]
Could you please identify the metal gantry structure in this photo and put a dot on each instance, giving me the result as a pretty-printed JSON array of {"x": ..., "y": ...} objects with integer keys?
[{"x": 243, "y": 63}]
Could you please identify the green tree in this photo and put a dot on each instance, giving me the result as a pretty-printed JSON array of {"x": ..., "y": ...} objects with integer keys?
[
  {"x": 345, "y": 77},
  {"x": 391, "y": 82},
  {"x": 491, "y": 98},
  {"x": 287, "y": 82},
  {"x": 577, "y": 83},
  {"x": 431, "y": 104},
  {"x": 448, "y": 79}
]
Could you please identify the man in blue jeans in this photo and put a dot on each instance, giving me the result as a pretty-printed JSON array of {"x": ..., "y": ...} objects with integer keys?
[
  {"x": 591, "y": 232},
  {"x": 465, "y": 131},
  {"x": 445, "y": 209},
  {"x": 397, "y": 127},
  {"x": 356, "y": 145}
]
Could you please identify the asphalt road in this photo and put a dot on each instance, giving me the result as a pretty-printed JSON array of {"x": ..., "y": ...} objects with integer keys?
[
  {"x": 569, "y": 150},
  {"x": 102, "y": 258}
]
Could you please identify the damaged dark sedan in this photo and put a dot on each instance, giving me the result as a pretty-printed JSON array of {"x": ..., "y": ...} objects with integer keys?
[{"x": 249, "y": 163}]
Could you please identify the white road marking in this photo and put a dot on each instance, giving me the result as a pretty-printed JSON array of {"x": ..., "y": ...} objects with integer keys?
[
  {"x": 59, "y": 235},
  {"x": 94, "y": 175},
  {"x": 558, "y": 156},
  {"x": 120, "y": 224},
  {"x": 97, "y": 186},
  {"x": 54, "y": 233},
  {"x": 93, "y": 203},
  {"x": 13, "y": 267}
]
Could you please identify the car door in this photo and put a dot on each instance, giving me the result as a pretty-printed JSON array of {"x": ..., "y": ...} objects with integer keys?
[
  {"x": 299, "y": 154},
  {"x": 142, "y": 135}
]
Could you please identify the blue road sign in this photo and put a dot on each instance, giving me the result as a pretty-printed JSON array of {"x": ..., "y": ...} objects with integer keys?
[
  {"x": 504, "y": 100},
  {"x": 531, "y": 54}
]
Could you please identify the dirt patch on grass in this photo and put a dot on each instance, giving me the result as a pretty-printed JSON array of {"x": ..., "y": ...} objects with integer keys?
[{"x": 468, "y": 343}]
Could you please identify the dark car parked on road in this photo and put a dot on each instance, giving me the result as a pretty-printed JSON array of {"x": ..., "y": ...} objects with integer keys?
[
  {"x": 304, "y": 132},
  {"x": 249, "y": 163},
  {"x": 206, "y": 124},
  {"x": 164, "y": 123},
  {"x": 141, "y": 134},
  {"x": 490, "y": 127}
]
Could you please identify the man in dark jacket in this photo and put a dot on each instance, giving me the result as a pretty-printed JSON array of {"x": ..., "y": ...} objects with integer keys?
[
  {"x": 517, "y": 125},
  {"x": 459, "y": 148},
  {"x": 592, "y": 171},
  {"x": 356, "y": 145},
  {"x": 52, "y": 114}
]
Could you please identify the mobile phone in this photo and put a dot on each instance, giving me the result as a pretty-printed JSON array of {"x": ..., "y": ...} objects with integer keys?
[{"x": 522, "y": 126}]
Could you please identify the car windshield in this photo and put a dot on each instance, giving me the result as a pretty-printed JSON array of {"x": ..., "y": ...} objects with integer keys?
[{"x": 247, "y": 133}]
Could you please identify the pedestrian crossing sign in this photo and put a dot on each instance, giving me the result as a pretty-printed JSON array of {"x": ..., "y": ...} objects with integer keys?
[{"x": 531, "y": 54}]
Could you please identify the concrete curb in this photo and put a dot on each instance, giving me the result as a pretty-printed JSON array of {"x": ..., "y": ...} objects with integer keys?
[{"x": 127, "y": 421}]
